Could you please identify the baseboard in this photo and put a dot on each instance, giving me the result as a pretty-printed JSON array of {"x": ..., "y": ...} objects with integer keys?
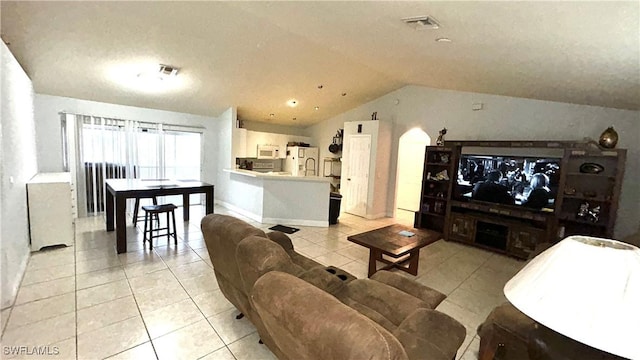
[
  {"x": 300, "y": 222},
  {"x": 243, "y": 212},
  {"x": 375, "y": 216}
]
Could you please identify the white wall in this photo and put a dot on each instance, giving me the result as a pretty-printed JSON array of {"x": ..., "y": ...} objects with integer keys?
[
  {"x": 49, "y": 139},
  {"x": 224, "y": 154},
  {"x": 18, "y": 163},
  {"x": 274, "y": 128},
  {"x": 502, "y": 118}
]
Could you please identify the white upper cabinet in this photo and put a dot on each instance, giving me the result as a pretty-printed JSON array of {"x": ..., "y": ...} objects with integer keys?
[{"x": 255, "y": 138}]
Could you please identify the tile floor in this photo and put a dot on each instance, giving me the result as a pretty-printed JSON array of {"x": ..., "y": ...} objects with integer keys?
[{"x": 87, "y": 302}]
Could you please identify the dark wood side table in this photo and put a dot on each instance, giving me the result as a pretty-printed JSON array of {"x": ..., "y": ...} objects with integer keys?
[{"x": 403, "y": 249}]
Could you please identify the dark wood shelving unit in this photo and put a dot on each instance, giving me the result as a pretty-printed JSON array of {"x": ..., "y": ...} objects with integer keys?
[{"x": 513, "y": 230}]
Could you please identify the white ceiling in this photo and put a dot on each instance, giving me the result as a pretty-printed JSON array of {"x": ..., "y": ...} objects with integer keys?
[{"x": 258, "y": 55}]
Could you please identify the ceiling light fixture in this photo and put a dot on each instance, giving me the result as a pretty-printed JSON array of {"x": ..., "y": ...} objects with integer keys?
[
  {"x": 294, "y": 119},
  {"x": 147, "y": 77},
  {"x": 317, "y": 107},
  {"x": 320, "y": 86},
  {"x": 272, "y": 114},
  {"x": 443, "y": 40},
  {"x": 344, "y": 94},
  {"x": 292, "y": 103}
]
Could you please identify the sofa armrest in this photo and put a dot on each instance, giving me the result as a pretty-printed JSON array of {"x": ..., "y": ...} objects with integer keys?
[
  {"x": 282, "y": 239},
  {"x": 430, "y": 296},
  {"x": 430, "y": 334}
]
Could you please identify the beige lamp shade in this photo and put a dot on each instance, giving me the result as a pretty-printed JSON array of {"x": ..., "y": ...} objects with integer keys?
[{"x": 587, "y": 289}]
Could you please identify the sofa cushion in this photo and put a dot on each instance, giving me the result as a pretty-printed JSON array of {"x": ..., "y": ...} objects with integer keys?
[
  {"x": 430, "y": 296},
  {"x": 430, "y": 334},
  {"x": 381, "y": 303},
  {"x": 308, "y": 323}
]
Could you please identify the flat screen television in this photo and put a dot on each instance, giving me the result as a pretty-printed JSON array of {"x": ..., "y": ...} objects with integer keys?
[{"x": 524, "y": 178}]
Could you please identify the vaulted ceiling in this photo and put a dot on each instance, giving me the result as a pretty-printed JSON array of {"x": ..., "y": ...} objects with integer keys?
[{"x": 258, "y": 55}]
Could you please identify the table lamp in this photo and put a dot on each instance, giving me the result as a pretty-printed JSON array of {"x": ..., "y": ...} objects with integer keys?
[{"x": 587, "y": 289}]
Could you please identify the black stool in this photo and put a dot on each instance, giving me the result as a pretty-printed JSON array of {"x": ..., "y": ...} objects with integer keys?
[
  {"x": 155, "y": 210},
  {"x": 137, "y": 206}
]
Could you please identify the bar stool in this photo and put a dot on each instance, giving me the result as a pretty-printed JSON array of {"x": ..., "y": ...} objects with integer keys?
[
  {"x": 136, "y": 207},
  {"x": 155, "y": 210}
]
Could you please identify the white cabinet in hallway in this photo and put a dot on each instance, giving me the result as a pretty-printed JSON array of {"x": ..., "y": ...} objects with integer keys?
[{"x": 50, "y": 201}]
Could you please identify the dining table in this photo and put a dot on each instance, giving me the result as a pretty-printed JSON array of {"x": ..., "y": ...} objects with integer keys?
[{"x": 119, "y": 190}]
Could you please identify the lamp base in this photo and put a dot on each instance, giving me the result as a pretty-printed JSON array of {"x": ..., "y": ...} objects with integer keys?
[{"x": 546, "y": 344}]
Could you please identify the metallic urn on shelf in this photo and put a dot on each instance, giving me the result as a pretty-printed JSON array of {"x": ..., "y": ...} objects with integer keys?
[{"x": 609, "y": 138}]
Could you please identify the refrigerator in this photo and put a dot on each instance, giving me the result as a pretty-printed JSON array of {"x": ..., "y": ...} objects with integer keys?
[{"x": 302, "y": 161}]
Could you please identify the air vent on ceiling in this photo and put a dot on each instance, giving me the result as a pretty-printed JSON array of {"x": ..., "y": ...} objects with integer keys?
[
  {"x": 422, "y": 22},
  {"x": 168, "y": 70}
]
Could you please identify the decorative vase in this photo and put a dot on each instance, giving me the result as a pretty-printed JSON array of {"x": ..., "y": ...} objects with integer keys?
[{"x": 609, "y": 138}]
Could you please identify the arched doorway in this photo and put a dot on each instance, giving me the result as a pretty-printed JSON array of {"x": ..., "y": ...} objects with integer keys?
[{"x": 411, "y": 148}]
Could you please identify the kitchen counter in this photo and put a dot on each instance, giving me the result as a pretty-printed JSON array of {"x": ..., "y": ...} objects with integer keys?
[
  {"x": 280, "y": 175},
  {"x": 278, "y": 198}
]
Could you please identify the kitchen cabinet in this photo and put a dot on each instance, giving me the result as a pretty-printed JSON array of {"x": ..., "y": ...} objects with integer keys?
[
  {"x": 255, "y": 138},
  {"x": 51, "y": 210}
]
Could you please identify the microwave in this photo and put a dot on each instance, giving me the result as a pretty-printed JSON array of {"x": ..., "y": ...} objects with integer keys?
[{"x": 268, "y": 151}]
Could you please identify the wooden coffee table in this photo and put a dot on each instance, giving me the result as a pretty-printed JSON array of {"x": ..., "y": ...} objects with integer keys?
[{"x": 402, "y": 249}]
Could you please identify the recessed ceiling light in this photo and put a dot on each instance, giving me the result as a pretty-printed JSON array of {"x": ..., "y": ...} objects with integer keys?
[
  {"x": 320, "y": 86},
  {"x": 292, "y": 103},
  {"x": 443, "y": 40},
  {"x": 344, "y": 94},
  {"x": 272, "y": 114},
  {"x": 294, "y": 119},
  {"x": 317, "y": 107}
]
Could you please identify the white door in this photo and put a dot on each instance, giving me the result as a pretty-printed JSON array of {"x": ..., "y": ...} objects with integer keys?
[
  {"x": 411, "y": 150},
  {"x": 357, "y": 184}
]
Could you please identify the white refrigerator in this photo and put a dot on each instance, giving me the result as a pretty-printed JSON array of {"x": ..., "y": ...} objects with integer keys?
[{"x": 302, "y": 161}]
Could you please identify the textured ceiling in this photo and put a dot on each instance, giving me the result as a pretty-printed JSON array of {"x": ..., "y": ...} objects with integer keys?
[{"x": 258, "y": 55}]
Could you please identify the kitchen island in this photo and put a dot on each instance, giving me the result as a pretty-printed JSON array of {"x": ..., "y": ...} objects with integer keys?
[{"x": 277, "y": 198}]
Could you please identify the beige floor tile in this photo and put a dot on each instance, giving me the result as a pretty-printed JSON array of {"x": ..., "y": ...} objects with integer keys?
[
  {"x": 133, "y": 256},
  {"x": 300, "y": 243},
  {"x": 99, "y": 277},
  {"x": 112, "y": 339},
  {"x": 140, "y": 352},
  {"x": 50, "y": 258},
  {"x": 200, "y": 284},
  {"x": 477, "y": 302},
  {"x": 160, "y": 278},
  {"x": 102, "y": 293},
  {"x": 203, "y": 253},
  {"x": 229, "y": 328},
  {"x": 5, "y": 318},
  {"x": 472, "y": 351},
  {"x": 47, "y": 274},
  {"x": 45, "y": 289},
  {"x": 142, "y": 268},
  {"x": 96, "y": 264},
  {"x": 42, "y": 309},
  {"x": 172, "y": 317},
  {"x": 191, "y": 342},
  {"x": 314, "y": 251},
  {"x": 66, "y": 349},
  {"x": 158, "y": 297},
  {"x": 466, "y": 317},
  {"x": 248, "y": 348},
  {"x": 99, "y": 253},
  {"x": 193, "y": 269},
  {"x": 439, "y": 280},
  {"x": 110, "y": 312},
  {"x": 163, "y": 249},
  {"x": 183, "y": 258},
  {"x": 333, "y": 259},
  {"x": 487, "y": 280},
  {"x": 43, "y": 332},
  {"x": 212, "y": 303},
  {"x": 356, "y": 252},
  {"x": 196, "y": 244},
  {"x": 220, "y": 354}
]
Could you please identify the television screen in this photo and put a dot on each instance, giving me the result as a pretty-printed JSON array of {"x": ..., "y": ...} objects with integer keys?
[{"x": 526, "y": 181}]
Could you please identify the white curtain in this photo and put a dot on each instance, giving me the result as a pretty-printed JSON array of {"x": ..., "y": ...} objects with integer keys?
[{"x": 99, "y": 148}]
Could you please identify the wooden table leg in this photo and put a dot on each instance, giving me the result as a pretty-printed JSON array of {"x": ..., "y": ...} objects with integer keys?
[
  {"x": 185, "y": 207},
  {"x": 373, "y": 256},
  {"x": 209, "y": 201},
  {"x": 109, "y": 211},
  {"x": 414, "y": 257},
  {"x": 121, "y": 224}
]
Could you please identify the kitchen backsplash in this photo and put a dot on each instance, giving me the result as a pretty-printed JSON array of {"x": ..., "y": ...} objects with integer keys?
[{"x": 261, "y": 165}]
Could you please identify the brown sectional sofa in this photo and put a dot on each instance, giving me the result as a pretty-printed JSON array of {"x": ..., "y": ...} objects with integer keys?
[{"x": 305, "y": 310}]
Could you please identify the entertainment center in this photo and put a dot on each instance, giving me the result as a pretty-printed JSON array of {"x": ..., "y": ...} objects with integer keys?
[{"x": 508, "y": 196}]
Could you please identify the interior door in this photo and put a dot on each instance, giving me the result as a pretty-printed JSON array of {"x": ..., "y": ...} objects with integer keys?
[{"x": 357, "y": 184}]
